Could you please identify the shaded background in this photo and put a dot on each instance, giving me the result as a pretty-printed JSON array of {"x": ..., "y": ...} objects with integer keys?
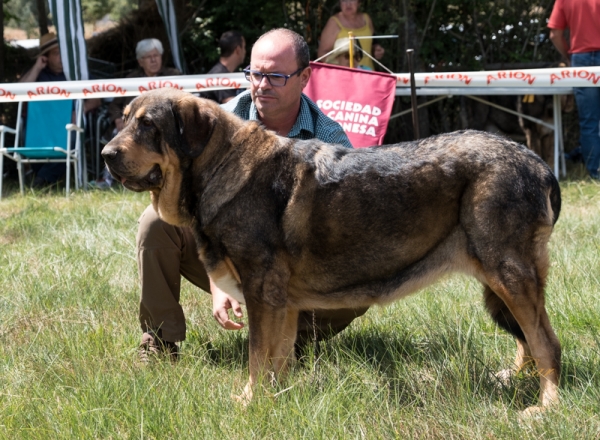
[{"x": 447, "y": 35}]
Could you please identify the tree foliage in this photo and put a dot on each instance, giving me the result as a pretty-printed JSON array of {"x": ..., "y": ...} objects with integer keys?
[
  {"x": 94, "y": 10},
  {"x": 446, "y": 34},
  {"x": 471, "y": 34},
  {"x": 21, "y": 14},
  {"x": 213, "y": 17}
]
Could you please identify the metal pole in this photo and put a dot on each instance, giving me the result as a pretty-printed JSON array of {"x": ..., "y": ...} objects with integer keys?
[
  {"x": 413, "y": 93},
  {"x": 351, "y": 48}
]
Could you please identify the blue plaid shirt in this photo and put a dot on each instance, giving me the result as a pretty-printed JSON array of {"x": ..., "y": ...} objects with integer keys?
[{"x": 311, "y": 122}]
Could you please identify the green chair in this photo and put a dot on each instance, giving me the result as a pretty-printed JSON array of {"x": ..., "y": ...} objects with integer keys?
[{"x": 45, "y": 138}]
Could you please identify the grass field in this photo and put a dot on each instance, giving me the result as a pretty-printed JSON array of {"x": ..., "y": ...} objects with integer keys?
[{"x": 421, "y": 368}]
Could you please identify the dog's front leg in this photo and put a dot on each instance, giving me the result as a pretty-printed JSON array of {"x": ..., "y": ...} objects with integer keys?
[
  {"x": 266, "y": 333},
  {"x": 284, "y": 354}
]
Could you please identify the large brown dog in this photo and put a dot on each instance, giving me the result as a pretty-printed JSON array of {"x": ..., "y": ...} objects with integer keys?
[{"x": 302, "y": 225}]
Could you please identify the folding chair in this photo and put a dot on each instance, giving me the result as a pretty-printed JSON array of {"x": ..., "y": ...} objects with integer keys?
[{"x": 45, "y": 140}]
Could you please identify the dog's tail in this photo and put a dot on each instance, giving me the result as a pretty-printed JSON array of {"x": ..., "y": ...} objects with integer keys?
[{"x": 554, "y": 196}]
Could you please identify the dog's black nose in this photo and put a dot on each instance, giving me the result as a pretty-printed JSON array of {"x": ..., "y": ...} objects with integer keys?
[{"x": 109, "y": 153}]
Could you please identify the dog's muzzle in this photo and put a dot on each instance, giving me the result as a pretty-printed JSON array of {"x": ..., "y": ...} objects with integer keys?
[{"x": 119, "y": 170}]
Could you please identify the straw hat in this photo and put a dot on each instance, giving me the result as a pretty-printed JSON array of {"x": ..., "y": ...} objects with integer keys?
[
  {"x": 47, "y": 43},
  {"x": 341, "y": 46}
]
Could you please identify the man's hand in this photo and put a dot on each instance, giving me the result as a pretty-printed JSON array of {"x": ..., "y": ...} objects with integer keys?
[
  {"x": 557, "y": 36},
  {"x": 32, "y": 74},
  {"x": 222, "y": 302},
  {"x": 40, "y": 63}
]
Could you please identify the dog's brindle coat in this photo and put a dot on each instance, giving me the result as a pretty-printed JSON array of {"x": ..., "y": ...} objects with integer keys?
[{"x": 302, "y": 225}]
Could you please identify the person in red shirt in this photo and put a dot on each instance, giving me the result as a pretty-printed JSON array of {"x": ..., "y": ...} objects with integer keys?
[{"x": 582, "y": 18}]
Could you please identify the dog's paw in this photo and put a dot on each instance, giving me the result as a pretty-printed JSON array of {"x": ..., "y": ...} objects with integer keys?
[
  {"x": 504, "y": 377},
  {"x": 242, "y": 399},
  {"x": 246, "y": 397},
  {"x": 532, "y": 413}
]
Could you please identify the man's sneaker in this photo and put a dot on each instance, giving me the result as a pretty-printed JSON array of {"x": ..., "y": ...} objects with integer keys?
[
  {"x": 153, "y": 346},
  {"x": 595, "y": 176}
]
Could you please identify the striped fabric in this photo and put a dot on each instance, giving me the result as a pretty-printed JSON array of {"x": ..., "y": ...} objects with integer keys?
[
  {"x": 167, "y": 12},
  {"x": 66, "y": 15}
]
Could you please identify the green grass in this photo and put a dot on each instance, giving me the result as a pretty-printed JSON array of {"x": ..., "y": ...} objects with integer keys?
[{"x": 421, "y": 368}]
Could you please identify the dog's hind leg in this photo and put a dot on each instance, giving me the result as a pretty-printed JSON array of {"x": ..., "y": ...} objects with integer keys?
[
  {"x": 521, "y": 287},
  {"x": 505, "y": 319}
]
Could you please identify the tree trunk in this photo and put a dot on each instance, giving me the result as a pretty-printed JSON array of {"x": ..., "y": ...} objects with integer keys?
[
  {"x": 42, "y": 16},
  {"x": 411, "y": 38},
  {"x": 2, "y": 45},
  {"x": 182, "y": 12}
]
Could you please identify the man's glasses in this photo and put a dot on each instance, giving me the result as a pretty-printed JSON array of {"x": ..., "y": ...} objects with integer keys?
[{"x": 275, "y": 79}]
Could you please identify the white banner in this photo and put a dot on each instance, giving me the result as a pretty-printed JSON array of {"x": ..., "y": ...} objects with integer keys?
[
  {"x": 111, "y": 88},
  {"x": 554, "y": 77},
  {"x": 114, "y": 88}
]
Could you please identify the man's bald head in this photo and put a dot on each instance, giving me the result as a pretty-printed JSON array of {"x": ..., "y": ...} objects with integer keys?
[
  {"x": 291, "y": 38},
  {"x": 284, "y": 53}
]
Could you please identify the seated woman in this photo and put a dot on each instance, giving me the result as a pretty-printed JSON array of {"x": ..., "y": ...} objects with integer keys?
[
  {"x": 149, "y": 56},
  {"x": 350, "y": 20},
  {"x": 341, "y": 54}
]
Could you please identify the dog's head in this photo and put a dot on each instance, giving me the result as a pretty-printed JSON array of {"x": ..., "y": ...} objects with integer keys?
[{"x": 164, "y": 131}]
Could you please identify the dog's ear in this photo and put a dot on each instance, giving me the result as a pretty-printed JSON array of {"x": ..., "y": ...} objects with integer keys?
[{"x": 194, "y": 125}]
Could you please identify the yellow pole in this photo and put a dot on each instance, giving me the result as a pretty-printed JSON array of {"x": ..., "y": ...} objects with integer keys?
[{"x": 351, "y": 48}]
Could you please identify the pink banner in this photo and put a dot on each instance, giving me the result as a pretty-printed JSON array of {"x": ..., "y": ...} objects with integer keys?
[{"x": 360, "y": 100}]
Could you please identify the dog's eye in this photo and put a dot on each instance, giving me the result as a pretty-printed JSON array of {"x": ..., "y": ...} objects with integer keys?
[{"x": 146, "y": 122}]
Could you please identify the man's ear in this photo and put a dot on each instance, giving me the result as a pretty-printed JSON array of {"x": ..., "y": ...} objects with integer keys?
[
  {"x": 305, "y": 76},
  {"x": 194, "y": 125}
]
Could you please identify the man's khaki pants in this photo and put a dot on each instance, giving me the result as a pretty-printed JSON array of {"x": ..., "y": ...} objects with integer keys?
[{"x": 165, "y": 253}]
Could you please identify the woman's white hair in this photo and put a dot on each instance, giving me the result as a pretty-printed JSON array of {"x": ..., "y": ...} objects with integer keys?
[{"x": 148, "y": 45}]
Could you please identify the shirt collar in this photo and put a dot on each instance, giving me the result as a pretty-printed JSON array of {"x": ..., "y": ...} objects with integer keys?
[
  {"x": 253, "y": 112},
  {"x": 302, "y": 121}
]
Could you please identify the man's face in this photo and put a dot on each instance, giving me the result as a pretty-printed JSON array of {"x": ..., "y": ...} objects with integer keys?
[
  {"x": 54, "y": 60},
  {"x": 275, "y": 54},
  {"x": 151, "y": 62}
]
